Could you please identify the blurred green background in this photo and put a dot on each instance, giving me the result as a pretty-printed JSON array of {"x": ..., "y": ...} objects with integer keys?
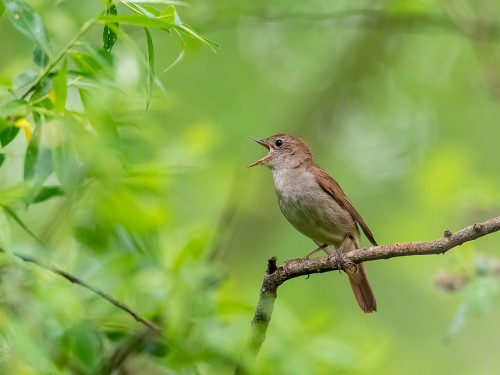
[{"x": 399, "y": 101}]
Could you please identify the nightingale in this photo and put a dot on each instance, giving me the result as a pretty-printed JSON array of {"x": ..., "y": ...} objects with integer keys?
[{"x": 313, "y": 202}]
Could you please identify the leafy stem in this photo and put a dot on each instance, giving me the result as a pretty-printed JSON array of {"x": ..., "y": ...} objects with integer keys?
[{"x": 45, "y": 73}]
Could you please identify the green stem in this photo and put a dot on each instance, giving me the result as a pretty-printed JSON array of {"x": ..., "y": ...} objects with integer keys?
[{"x": 85, "y": 27}]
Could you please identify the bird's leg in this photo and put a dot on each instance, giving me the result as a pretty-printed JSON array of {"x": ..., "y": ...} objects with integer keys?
[{"x": 321, "y": 247}]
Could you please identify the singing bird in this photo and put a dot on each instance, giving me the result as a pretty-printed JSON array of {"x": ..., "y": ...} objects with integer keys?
[{"x": 313, "y": 202}]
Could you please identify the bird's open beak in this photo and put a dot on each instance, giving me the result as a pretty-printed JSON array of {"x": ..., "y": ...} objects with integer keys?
[{"x": 263, "y": 160}]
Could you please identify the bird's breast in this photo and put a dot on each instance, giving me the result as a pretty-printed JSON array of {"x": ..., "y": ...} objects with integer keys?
[{"x": 310, "y": 209}]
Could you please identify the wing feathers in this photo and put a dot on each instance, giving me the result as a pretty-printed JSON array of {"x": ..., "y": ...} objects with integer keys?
[{"x": 331, "y": 186}]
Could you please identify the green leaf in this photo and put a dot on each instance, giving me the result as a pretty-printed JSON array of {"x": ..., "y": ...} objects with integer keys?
[
  {"x": 108, "y": 35},
  {"x": 66, "y": 167},
  {"x": 5, "y": 235},
  {"x": 479, "y": 298},
  {"x": 83, "y": 347},
  {"x": 146, "y": 10},
  {"x": 14, "y": 108},
  {"x": 166, "y": 22},
  {"x": 142, "y": 2},
  {"x": 2, "y": 158},
  {"x": 47, "y": 192},
  {"x": 170, "y": 15},
  {"x": 137, "y": 20},
  {"x": 37, "y": 162},
  {"x": 10, "y": 112},
  {"x": 61, "y": 88},
  {"x": 25, "y": 80},
  {"x": 8, "y": 135},
  {"x": 2, "y": 8},
  {"x": 85, "y": 62},
  {"x": 482, "y": 294},
  {"x": 28, "y": 22},
  {"x": 41, "y": 92},
  {"x": 192, "y": 33},
  {"x": 179, "y": 57},
  {"x": 151, "y": 67},
  {"x": 9, "y": 211},
  {"x": 94, "y": 63},
  {"x": 40, "y": 57}
]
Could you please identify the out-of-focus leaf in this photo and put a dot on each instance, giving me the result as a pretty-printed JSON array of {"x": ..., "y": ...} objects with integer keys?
[
  {"x": 2, "y": 8},
  {"x": 92, "y": 63},
  {"x": 108, "y": 35},
  {"x": 85, "y": 62},
  {"x": 24, "y": 124},
  {"x": 61, "y": 88},
  {"x": 458, "y": 321},
  {"x": 24, "y": 80},
  {"x": 481, "y": 294},
  {"x": 5, "y": 237},
  {"x": 47, "y": 192},
  {"x": 2, "y": 158},
  {"x": 151, "y": 67},
  {"x": 66, "y": 167},
  {"x": 179, "y": 57},
  {"x": 8, "y": 135},
  {"x": 10, "y": 112},
  {"x": 41, "y": 94},
  {"x": 9, "y": 211},
  {"x": 37, "y": 162},
  {"x": 40, "y": 57},
  {"x": 17, "y": 107},
  {"x": 83, "y": 344},
  {"x": 479, "y": 297},
  {"x": 28, "y": 22}
]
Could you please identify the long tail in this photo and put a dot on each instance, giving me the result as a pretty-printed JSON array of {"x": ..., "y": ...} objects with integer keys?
[{"x": 362, "y": 290}]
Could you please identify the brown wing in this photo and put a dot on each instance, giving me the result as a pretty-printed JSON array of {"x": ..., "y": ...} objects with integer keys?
[{"x": 333, "y": 188}]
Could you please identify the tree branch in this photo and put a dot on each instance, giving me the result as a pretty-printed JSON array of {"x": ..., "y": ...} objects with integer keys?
[
  {"x": 75, "y": 280},
  {"x": 277, "y": 275}
]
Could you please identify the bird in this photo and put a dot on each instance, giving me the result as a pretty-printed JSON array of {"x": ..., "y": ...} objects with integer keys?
[{"x": 316, "y": 206}]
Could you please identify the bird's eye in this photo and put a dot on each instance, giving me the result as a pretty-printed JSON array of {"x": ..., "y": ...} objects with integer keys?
[{"x": 278, "y": 142}]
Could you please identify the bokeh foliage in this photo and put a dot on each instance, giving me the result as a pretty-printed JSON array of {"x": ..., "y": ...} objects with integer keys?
[{"x": 124, "y": 141}]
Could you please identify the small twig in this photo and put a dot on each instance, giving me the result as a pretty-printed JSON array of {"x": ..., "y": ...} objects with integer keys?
[
  {"x": 301, "y": 267},
  {"x": 75, "y": 280}
]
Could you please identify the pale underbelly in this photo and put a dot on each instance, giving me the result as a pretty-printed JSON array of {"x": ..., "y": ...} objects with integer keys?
[{"x": 326, "y": 224}]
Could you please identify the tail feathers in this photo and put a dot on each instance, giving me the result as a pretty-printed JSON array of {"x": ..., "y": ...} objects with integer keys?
[{"x": 362, "y": 290}]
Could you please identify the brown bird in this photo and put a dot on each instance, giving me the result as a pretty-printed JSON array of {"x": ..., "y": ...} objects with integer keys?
[{"x": 313, "y": 202}]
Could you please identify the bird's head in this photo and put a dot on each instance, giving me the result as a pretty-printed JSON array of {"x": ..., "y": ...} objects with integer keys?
[{"x": 285, "y": 151}]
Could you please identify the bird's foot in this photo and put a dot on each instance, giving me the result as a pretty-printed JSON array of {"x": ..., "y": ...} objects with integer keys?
[{"x": 339, "y": 259}]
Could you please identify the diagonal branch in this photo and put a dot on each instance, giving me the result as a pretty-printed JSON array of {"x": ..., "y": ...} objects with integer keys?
[
  {"x": 75, "y": 280},
  {"x": 277, "y": 275}
]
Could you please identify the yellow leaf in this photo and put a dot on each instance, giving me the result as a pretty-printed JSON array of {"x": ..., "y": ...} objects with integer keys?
[
  {"x": 25, "y": 125},
  {"x": 52, "y": 96}
]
